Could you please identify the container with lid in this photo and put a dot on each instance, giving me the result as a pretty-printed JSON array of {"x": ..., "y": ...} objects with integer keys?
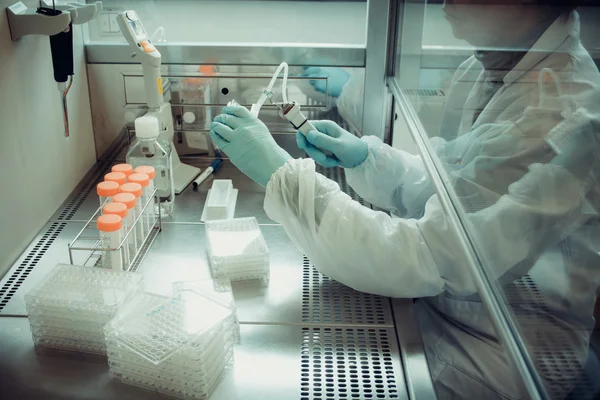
[
  {"x": 130, "y": 202},
  {"x": 149, "y": 150},
  {"x": 111, "y": 234},
  {"x": 118, "y": 177},
  {"x": 148, "y": 213},
  {"x": 106, "y": 190},
  {"x": 136, "y": 190},
  {"x": 122, "y": 211},
  {"x": 124, "y": 168}
]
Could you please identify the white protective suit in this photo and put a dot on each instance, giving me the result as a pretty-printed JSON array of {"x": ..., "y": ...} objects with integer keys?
[{"x": 525, "y": 171}]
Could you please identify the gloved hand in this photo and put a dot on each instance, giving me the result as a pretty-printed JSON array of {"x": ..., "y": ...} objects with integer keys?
[
  {"x": 337, "y": 79},
  {"x": 348, "y": 150},
  {"x": 248, "y": 143}
]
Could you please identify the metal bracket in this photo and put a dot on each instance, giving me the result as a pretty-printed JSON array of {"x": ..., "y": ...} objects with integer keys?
[
  {"x": 24, "y": 21},
  {"x": 80, "y": 13}
]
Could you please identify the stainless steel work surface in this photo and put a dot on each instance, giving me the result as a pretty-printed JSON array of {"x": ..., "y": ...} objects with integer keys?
[
  {"x": 272, "y": 362},
  {"x": 304, "y": 336},
  {"x": 296, "y": 294}
]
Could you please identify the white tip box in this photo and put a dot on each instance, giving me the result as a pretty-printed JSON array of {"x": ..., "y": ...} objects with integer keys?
[{"x": 221, "y": 200}]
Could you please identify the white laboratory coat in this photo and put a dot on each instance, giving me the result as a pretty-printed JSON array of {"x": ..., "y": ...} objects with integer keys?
[{"x": 525, "y": 172}]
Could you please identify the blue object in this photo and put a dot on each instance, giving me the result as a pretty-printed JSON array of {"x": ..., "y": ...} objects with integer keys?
[
  {"x": 216, "y": 165},
  {"x": 336, "y": 79},
  {"x": 212, "y": 168},
  {"x": 248, "y": 143},
  {"x": 348, "y": 150}
]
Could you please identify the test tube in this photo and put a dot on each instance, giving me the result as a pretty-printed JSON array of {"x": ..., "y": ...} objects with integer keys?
[
  {"x": 144, "y": 181},
  {"x": 118, "y": 177},
  {"x": 129, "y": 200},
  {"x": 106, "y": 190},
  {"x": 124, "y": 168},
  {"x": 151, "y": 172},
  {"x": 121, "y": 210},
  {"x": 136, "y": 190},
  {"x": 111, "y": 234}
]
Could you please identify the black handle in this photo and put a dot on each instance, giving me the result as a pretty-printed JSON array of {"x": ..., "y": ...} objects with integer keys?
[{"x": 61, "y": 46}]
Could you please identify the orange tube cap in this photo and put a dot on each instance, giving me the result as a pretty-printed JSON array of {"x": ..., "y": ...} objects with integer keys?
[{"x": 109, "y": 223}]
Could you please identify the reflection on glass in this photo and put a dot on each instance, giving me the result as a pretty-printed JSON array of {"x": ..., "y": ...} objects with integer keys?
[
  {"x": 342, "y": 88},
  {"x": 518, "y": 137}
]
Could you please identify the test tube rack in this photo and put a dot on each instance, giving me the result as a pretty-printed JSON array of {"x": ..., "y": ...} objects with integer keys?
[{"x": 87, "y": 248}]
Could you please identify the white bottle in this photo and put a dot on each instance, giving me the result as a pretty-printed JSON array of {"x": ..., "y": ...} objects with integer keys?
[
  {"x": 111, "y": 234},
  {"x": 148, "y": 150}
]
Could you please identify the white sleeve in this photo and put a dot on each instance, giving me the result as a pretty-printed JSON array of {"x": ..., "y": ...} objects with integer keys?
[
  {"x": 364, "y": 249},
  {"x": 391, "y": 179},
  {"x": 373, "y": 252}
]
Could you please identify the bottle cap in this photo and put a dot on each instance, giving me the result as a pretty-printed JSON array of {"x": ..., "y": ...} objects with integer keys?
[
  {"x": 107, "y": 188},
  {"x": 109, "y": 223},
  {"x": 124, "y": 168},
  {"x": 142, "y": 179},
  {"x": 133, "y": 188},
  {"x": 146, "y": 169},
  {"x": 116, "y": 208},
  {"x": 146, "y": 127},
  {"x": 126, "y": 198},
  {"x": 118, "y": 177}
]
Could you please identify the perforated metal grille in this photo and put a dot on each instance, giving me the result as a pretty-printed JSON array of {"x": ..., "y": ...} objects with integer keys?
[
  {"x": 556, "y": 352},
  {"x": 329, "y": 302},
  {"x": 144, "y": 250},
  {"x": 424, "y": 92},
  {"x": 29, "y": 262},
  {"x": 348, "y": 363},
  {"x": 82, "y": 193}
]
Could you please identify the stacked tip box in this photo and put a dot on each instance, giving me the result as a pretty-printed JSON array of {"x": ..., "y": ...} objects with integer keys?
[
  {"x": 237, "y": 250},
  {"x": 179, "y": 346},
  {"x": 221, "y": 294},
  {"x": 69, "y": 308}
]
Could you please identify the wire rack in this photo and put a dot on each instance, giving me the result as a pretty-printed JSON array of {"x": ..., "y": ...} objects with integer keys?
[{"x": 87, "y": 248}]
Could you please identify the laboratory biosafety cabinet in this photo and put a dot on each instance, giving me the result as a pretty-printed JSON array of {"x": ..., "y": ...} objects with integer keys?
[{"x": 487, "y": 166}]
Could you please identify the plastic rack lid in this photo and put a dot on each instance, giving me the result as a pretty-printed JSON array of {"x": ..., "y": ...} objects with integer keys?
[
  {"x": 77, "y": 288},
  {"x": 156, "y": 333},
  {"x": 206, "y": 287},
  {"x": 239, "y": 239}
]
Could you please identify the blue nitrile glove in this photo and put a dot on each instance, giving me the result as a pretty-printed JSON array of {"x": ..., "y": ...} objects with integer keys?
[
  {"x": 337, "y": 79},
  {"x": 248, "y": 143},
  {"x": 349, "y": 151}
]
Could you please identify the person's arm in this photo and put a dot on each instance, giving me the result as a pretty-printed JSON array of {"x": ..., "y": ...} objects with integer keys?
[
  {"x": 391, "y": 179},
  {"x": 517, "y": 210},
  {"x": 364, "y": 249}
]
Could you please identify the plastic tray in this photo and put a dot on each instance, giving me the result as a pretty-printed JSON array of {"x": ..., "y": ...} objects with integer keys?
[
  {"x": 221, "y": 293},
  {"x": 159, "y": 331},
  {"x": 237, "y": 249},
  {"x": 220, "y": 201},
  {"x": 92, "y": 291}
]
